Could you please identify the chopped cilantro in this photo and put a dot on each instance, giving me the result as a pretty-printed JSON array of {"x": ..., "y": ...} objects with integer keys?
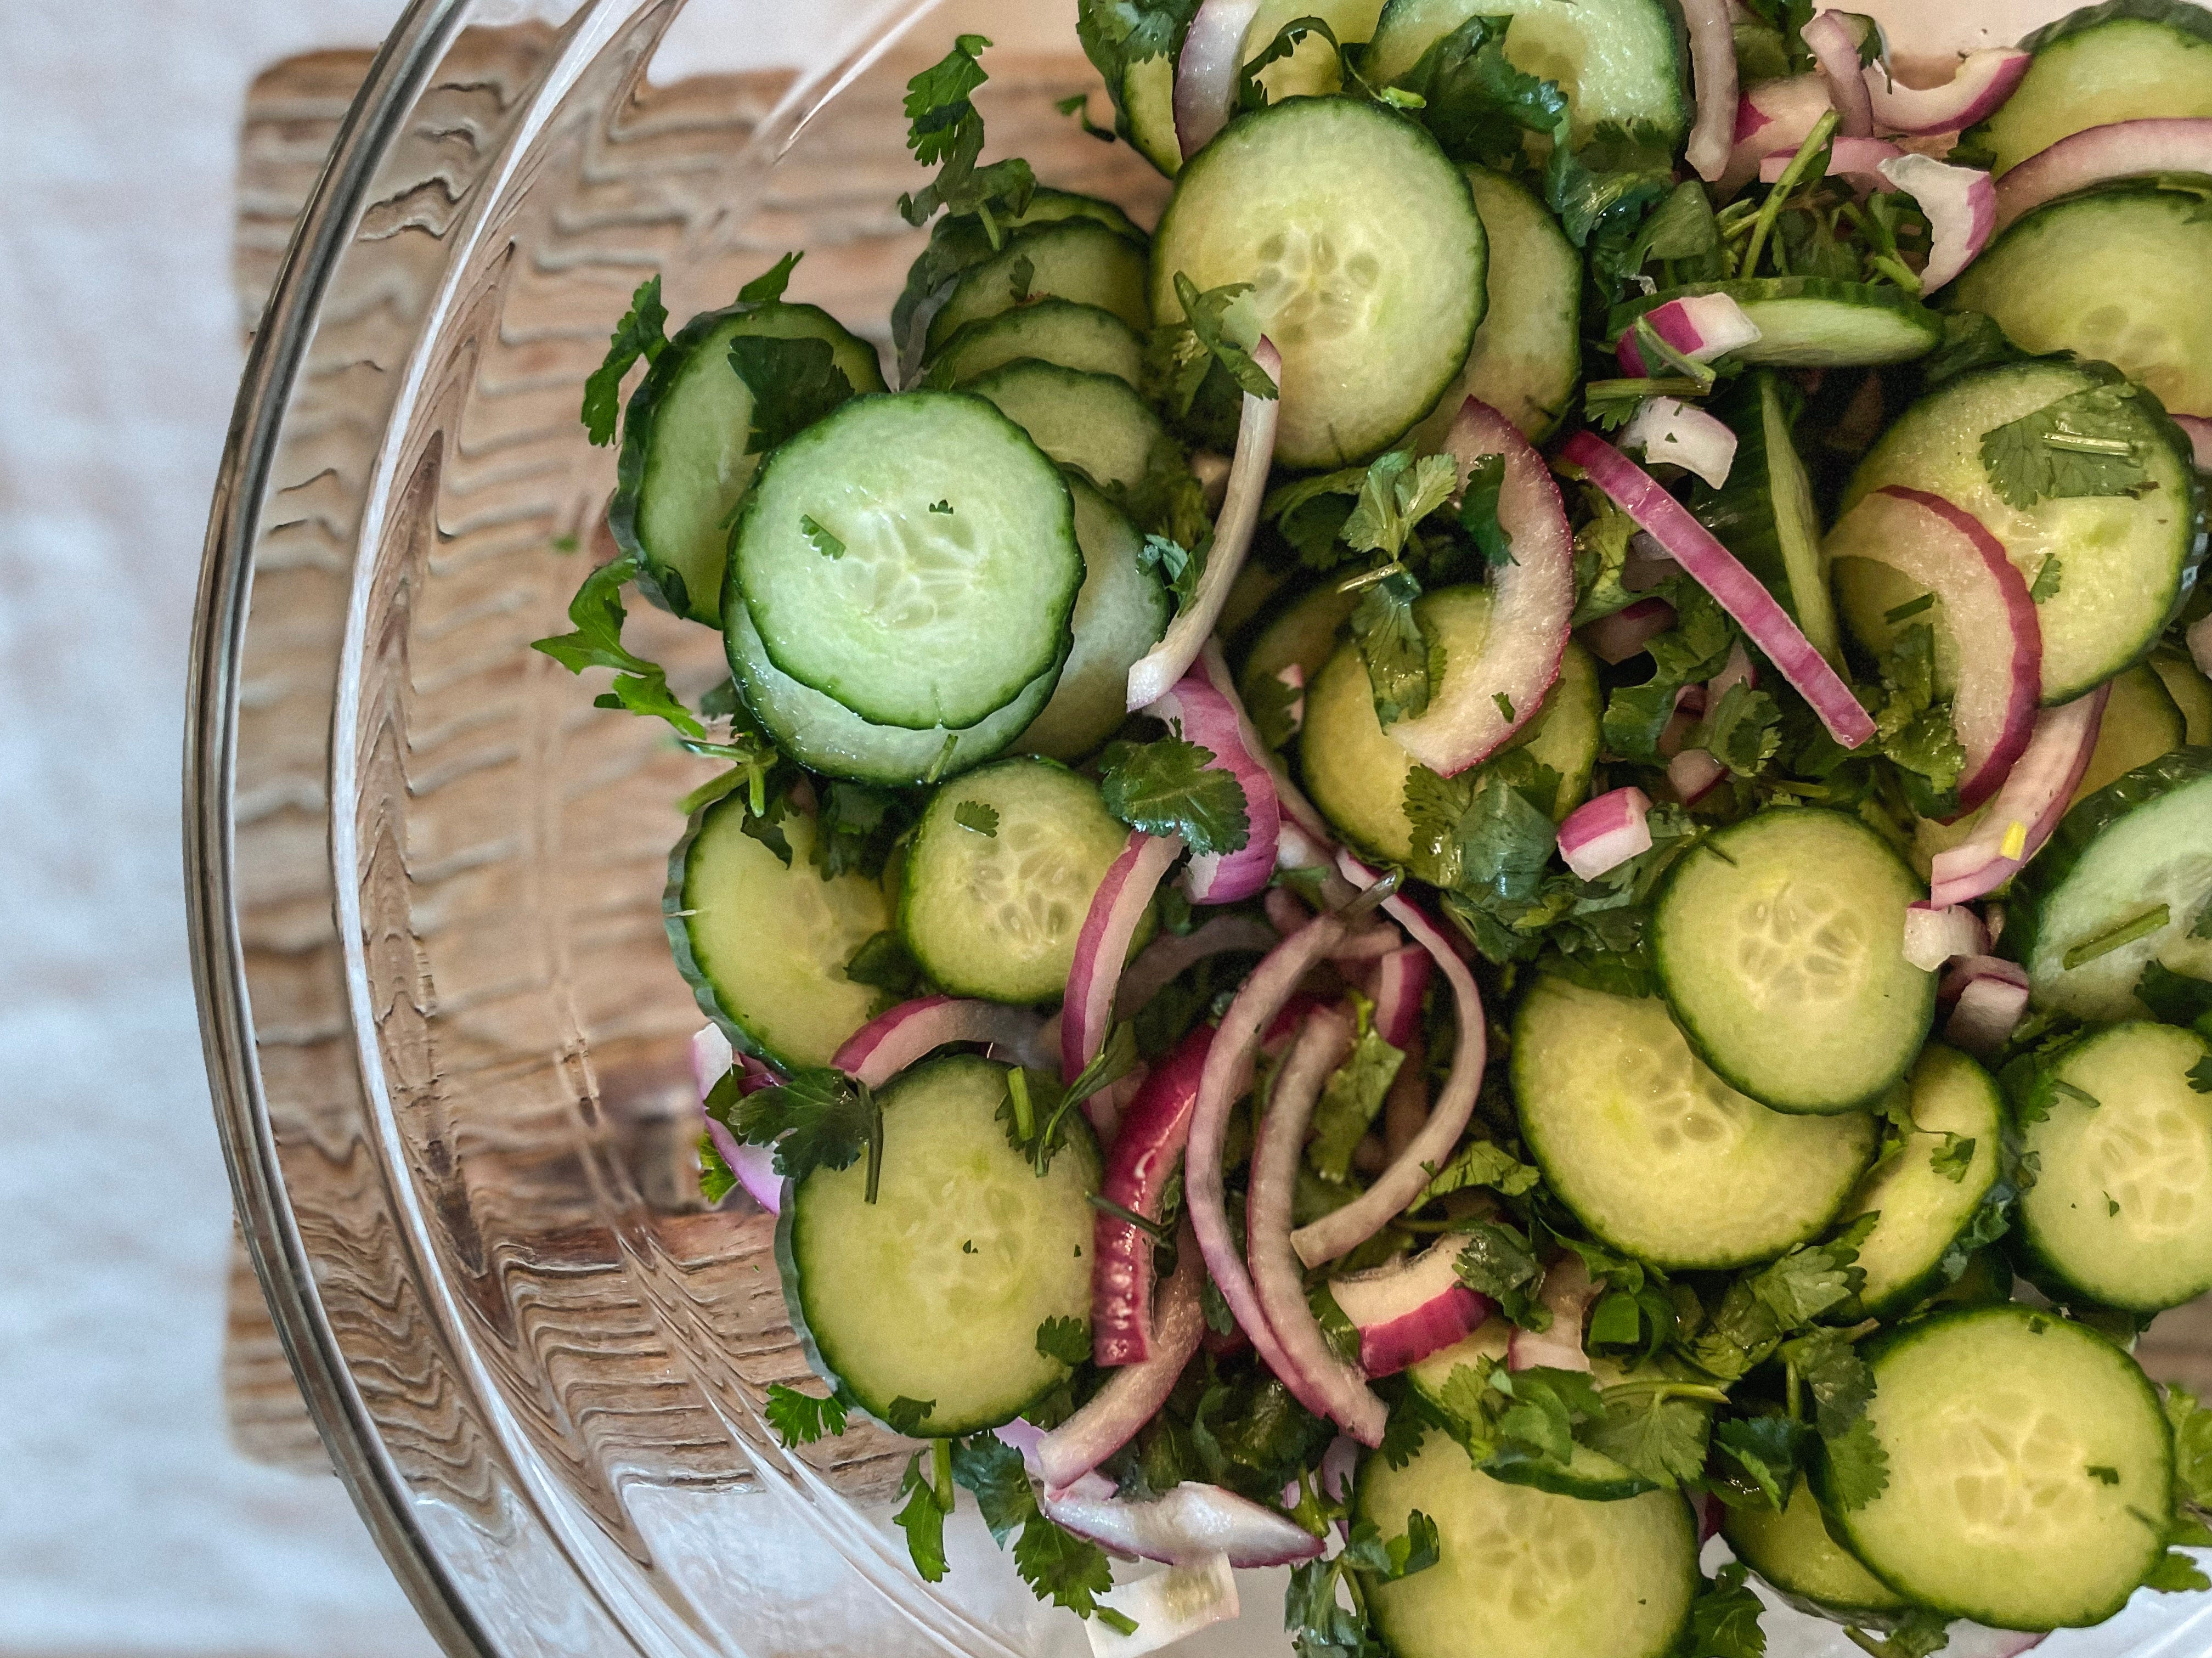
[
  {"x": 1067, "y": 1339},
  {"x": 1351, "y": 1099},
  {"x": 974, "y": 815},
  {"x": 793, "y": 382},
  {"x": 640, "y": 333},
  {"x": 2113, "y": 938},
  {"x": 801, "y": 1418},
  {"x": 1474, "y": 102},
  {"x": 1910, "y": 608},
  {"x": 1724, "y": 1618},
  {"x": 1483, "y": 1163},
  {"x": 1497, "y": 1262},
  {"x": 640, "y": 686},
  {"x": 906, "y": 1416},
  {"x": 768, "y": 288},
  {"x": 1174, "y": 564},
  {"x": 2048, "y": 574},
  {"x": 923, "y": 1519},
  {"x": 2174, "y": 998},
  {"x": 820, "y": 1119},
  {"x": 1478, "y": 510},
  {"x": 1396, "y": 494},
  {"x": 944, "y": 126},
  {"x": 717, "y": 1180},
  {"x": 1207, "y": 315},
  {"x": 1952, "y": 1157},
  {"x": 1771, "y": 1449},
  {"x": 1171, "y": 786},
  {"x": 2090, "y": 442},
  {"x": 943, "y": 507},
  {"x": 1399, "y": 656},
  {"x": 819, "y": 538}
]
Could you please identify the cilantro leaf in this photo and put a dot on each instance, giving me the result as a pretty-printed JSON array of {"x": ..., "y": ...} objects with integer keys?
[
  {"x": 945, "y": 127},
  {"x": 1658, "y": 1434},
  {"x": 937, "y": 101},
  {"x": 1497, "y": 1262},
  {"x": 1483, "y": 1163},
  {"x": 2090, "y": 442},
  {"x": 2174, "y": 998},
  {"x": 800, "y": 1419},
  {"x": 1478, "y": 510},
  {"x": 642, "y": 332},
  {"x": 1171, "y": 786},
  {"x": 2192, "y": 1450},
  {"x": 1724, "y": 1618},
  {"x": 1319, "y": 1624},
  {"x": 793, "y": 382},
  {"x": 1770, "y": 1449},
  {"x": 1174, "y": 564},
  {"x": 1743, "y": 731},
  {"x": 598, "y": 612},
  {"x": 2200, "y": 1075},
  {"x": 1395, "y": 646},
  {"x": 1350, "y": 1101},
  {"x": 1603, "y": 191},
  {"x": 1063, "y": 1568},
  {"x": 819, "y": 538},
  {"x": 2176, "y": 1573},
  {"x": 1857, "y": 1465},
  {"x": 717, "y": 1180},
  {"x": 883, "y": 962},
  {"x": 923, "y": 1519},
  {"x": 1277, "y": 707},
  {"x": 1476, "y": 105},
  {"x": 1814, "y": 1279},
  {"x": 976, "y": 817},
  {"x": 906, "y": 1416},
  {"x": 1418, "y": 1548},
  {"x": 820, "y": 1119},
  {"x": 1837, "y": 1378},
  {"x": 2048, "y": 576},
  {"x": 1396, "y": 494},
  {"x": 1920, "y": 1634},
  {"x": 1485, "y": 836},
  {"x": 1067, "y": 1339},
  {"x": 1952, "y": 1157},
  {"x": 768, "y": 288},
  {"x": 1207, "y": 315},
  {"x": 986, "y": 1465},
  {"x": 857, "y": 827}
]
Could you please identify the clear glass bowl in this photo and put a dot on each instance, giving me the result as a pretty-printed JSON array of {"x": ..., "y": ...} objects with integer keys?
[{"x": 447, "y": 1044}]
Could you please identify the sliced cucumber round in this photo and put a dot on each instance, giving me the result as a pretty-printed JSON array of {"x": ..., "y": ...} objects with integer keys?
[
  {"x": 2122, "y": 61},
  {"x": 996, "y": 914},
  {"x": 685, "y": 465},
  {"x": 727, "y": 891},
  {"x": 1958, "y": 1117},
  {"x": 1527, "y": 358},
  {"x": 1366, "y": 257},
  {"x": 2124, "y": 561},
  {"x": 1119, "y": 615},
  {"x": 1616, "y": 60},
  {"x": 1764, "y": 513},
  {"x": 2121, "y": 1210},
  {"x": 960, "y": 241},
  {"x": 1083, "y": 337},
  {"x": 1524, "y": 1571},
  {"x": 1792, "y": 1549},
  {"x": 913, "y": 556},
  {"x": 2141, "y": 722},
  {"x": 2140, "y": 845},
  {"x": 1312, "y": 69},
  {"x": 1077, "y": 259},
  {"x": 1657, "y": 1156},
  {"x": 2191, "y": 691},
  {"x": 1302, "y": 630},
  {"x": 1093, "y": 423},
  {"x": 2110, "y": 275},
  {"x": 1357, "y": 772},
  {"x": 933, "y": 1293},
  {"x": 1779, "y": 942},
  {"x": 1813, "y": 322},
  {"x": 2030, "y": 1470},
  {"x": 1147, "y": 102}
]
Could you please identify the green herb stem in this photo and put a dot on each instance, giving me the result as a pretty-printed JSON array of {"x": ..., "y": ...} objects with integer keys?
[
  {"x": 2126, "y": 933},
  {"x": 940, "y": 1472},
  {"x": 875, "y": 1141},
  {"x": 1151, "y": 1229},
  {"x": 1816, "y": 144},
  {"x": 1017, "y": 1086}
]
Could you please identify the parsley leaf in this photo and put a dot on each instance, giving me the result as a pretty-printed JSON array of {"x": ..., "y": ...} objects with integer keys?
[
  {"x": 1395, "y": 646},
  {"x": 1067, "y": 1339},
  {"x": 820, "y": 1119},
  {"x": 1171, "y": 786},
  {"x": 768, "y": 288},
  {"x": 793, "y": 382},
  {"x": 597, "y": 611},
  {"x": 2090, "y": 442},
  {"x": 1478, "y": 510},
  {"x": 923, "y": 1519},
  {"x": 1724, "y": 1618},
  {"x": 1351, "y": 1099},
  {"x": 800, "y": 1419},
  {"x": 640, "y": 333},
  {"x": 980, "y": 819},
  {"x": 944, "y": 126}
]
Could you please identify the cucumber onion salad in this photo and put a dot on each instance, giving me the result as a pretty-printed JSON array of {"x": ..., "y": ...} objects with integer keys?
[{"x": 1498, "y": 853}]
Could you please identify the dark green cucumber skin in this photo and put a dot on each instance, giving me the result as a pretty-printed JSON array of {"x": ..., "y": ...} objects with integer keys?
[
  {"x": 672, "y": 919},
  {"x": 661, "y": 585},
  {"x": 2182, "y": 18},
  {"x": 2078, "y": 831},
  {"x": 1106, "y": 57},
  {"x": 1696, "y": 1040},
  {"x": 1888, "y": 1341},
  {"x": 1755, "y": 290},
  {"x": 1879, "y": 1619},
  {"x": 1741, "y": 512},
  {"x": 1544, "y": 1477}
]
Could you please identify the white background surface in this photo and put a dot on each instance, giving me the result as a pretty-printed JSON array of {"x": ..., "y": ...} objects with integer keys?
[{"x": 126, "y": 1524}]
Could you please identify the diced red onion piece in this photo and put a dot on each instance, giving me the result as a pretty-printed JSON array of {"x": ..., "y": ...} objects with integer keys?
[
  {"x": 1701, "y": 326},
  {"x": 1215, "y": 721},
  {"x": 1102, "y": 946},
  {"x": 1835, "y": 50},
  {"x": 2122, "y": 149},
  {"x": 1967, "y": 968},
  {"x": 2015, "y": 824},
  {"x": 2200, "y": 645},
  {"x": 1205, "y": 73},
  {"x": 1173, "y": 953},
  {"x": 1153, "y": 673},
  {"x": 1694, "y": 774},
  {"x": 1775, "y": 117},
  {"x": 1188, "y": 1522},
  {"x": 1983, "y": 80},
  {"x": 1617, "y": 637},
  {"x": 1719, "y": 571},
  {"x": 1532, "y": 601},
  {"x": 1342, "y": 1231},
  {"x": 1988, "y": 612},
  {"x": 1712, "y": 71},
  {"x": 1987, "y": 1012},
  {"x": 894, "y": 1040},
  {"x": 1225, "y": 1078},
  {"x": 1859, "y": 160},
  {"x": 2200, "y": 439},
  {"x": 1962, "y": 205},
  {"x": 1410, "y": 1308},
  {"x": 1689, "y": 708},
  {"x": 1668, "y": 429},
  {"x": 1133, "y": 1395},
  {"x": 1166, "y": 1607},
  {"x": 1567, "y": 1295},
  {"x": 1933, "y": 935},
  {"x": 1324, "y": 1383},
  {"x": 1142, "y": 1159},
  {"x": 1402, "y": 979},
  {"x": 1604, "y": 833}
]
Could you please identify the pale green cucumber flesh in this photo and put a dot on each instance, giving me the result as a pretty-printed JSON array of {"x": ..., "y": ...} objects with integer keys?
[
  {"x": 1119, "y": 615},
  {"x": 1093, "y": 423},
  {"x": 1814, "y": 322},
  {"x": 1764, "y": 513},
  {"x": 2141, "y": 722},
  {"x": 2123, "y": 61},
  {"x": 1792, "y": 1549},
  {"x": 1082, "y": 336},
  {"x": 1077, "y": 259}
]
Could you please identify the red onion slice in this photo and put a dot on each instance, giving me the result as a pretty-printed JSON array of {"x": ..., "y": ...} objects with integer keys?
[
  {"x": 1172, "y": 954},
  {"x": 1701, "y": 326},
  {"x": 1681, "y": 434},
  {"x": 1154, "y": 672},
  {"x": 712, "y": 1057},
  {"x": 1774, "y": 117},
  {"x": 1934, "y": 936},
  {"x": 1532, "y": 600},
  {"x": 1102, "y": 946},
  {"x": 1712, "y": 70},
  {"x": 1835, "y": 51},
  {"x": 1226, "y": 1076},
  {"x": 1617, "y": 637},
  {"x": 1167, "y": 1607},
  {"x": 1859, "y": 160},
  {"x": 1133, "y": 1395},
  {"x": 1410, "y": 1308},
  {"x": 1603, "y": 834},
  {"x": 1568, "y": 1293},
  {"x": 2123, "y": 150},
  {"x": 1719, "y": 571},
  {"x": 1144, "y": 1155},
  {"x": 1205, "y": 73},
  {"x": 1988, "y": 1011},
  {"x": 1694, "y": 774},
  {"x": 1186, "y": 1523},
  {"x": 1402, "y": 980},
  {"x": 1962, "y": 205},
  {"x": 1984, "y": 80},
  {"x": 1968, "y": 968},
  {"x": 892, "y": 1040},
  {"x": 1324, "y": 1383},
  {"x": 2015, "y": 824},
  {"x": 1985, "y": 607},
  {"x": 1216, "y": 722},
  {"x": 2200, "y": 439},
  {"x": 1342, "y": 1231}
]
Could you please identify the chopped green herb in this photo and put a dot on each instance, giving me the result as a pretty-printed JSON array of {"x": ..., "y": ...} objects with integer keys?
[
  {"x": 793, "y": 382},
  {"x": 945, "y": 506},
  {"x": 801, "y": 1418},
  {"x": 2126, "y": 932},
  {"x": 1910, "y": 608},
  {"x": 1067, "y": 1339},
  {"x": 2048, "y": 575},
  {"x": 640, "y": 333},
  {"x": 2089, "y": 442},
  {"x": 819, "y": 538},
  {"x": 768, "y": 288},
  {"x": 974, "y": 815},
  {"x": 1169, "y": 787}
]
